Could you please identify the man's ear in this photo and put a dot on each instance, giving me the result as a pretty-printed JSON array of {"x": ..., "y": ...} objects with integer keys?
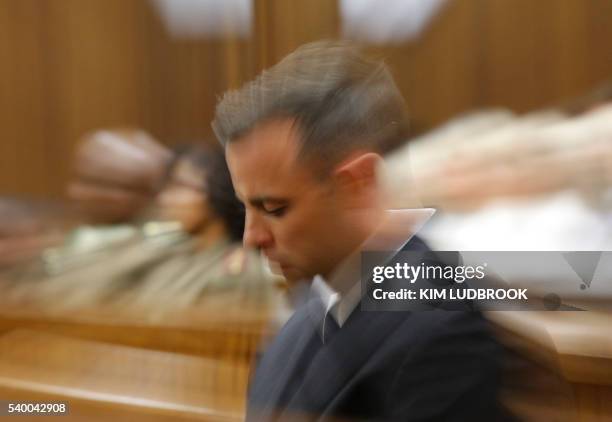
[{"x": 357, "y": 175}]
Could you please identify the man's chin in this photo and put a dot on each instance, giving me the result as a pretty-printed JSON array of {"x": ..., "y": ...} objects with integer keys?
[
  {"x": 290, "y": 273},
  {"x": 282, "y": 270}
]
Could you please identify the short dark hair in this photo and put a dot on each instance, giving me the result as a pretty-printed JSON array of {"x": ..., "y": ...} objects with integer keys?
[{"x": 341, "y": 101}]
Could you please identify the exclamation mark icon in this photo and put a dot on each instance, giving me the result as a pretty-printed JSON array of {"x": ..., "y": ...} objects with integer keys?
[{"x": 584, "y": 265}]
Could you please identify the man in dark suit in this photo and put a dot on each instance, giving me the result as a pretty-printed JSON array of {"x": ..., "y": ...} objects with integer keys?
[{"x": 304, "y": 143}]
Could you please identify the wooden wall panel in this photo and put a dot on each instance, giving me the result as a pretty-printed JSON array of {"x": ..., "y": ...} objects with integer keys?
[
  {"x": 283, "y": 25},
  {"x": 69, "y": 66},
  {"x": 96, "y": 72},
  {"x": 535, "y": 53},
  {"x": 438, "y": 73},
  {"x": 22, "y": 108},
  {"x": 519, "y": 54}
]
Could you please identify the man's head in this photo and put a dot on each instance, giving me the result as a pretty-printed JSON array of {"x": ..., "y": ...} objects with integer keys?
[{"x": 303, "y": 143}]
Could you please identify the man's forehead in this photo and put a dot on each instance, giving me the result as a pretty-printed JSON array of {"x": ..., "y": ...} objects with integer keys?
[
  {"x": 265, "y": 159},
  {"x": 272, "y": 145}
]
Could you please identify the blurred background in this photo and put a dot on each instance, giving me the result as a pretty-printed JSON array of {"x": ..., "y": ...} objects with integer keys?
[
  {"x": 124, "y": 289},
  {"x": 68, "y": 66}
]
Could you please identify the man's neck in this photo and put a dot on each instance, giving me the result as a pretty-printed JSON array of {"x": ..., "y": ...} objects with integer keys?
[
  {"x": 365, "y": 226},
  {"x": 389, "y": 233},
  {"x": 393, "y": 232}
]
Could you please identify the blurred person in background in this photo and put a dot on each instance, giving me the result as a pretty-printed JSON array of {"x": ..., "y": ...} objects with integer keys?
[
  {"x": 303, "y": 143},
  {"x": 540, "y": 181},
  {"x": 183, "y": 248},
  {"x": 198, "y": 194},
  {"x": 116, "y": 174},
  {"x": 27, "y": 227}
]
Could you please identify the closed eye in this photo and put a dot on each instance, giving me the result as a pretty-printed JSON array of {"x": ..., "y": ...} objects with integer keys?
[
  {"x": 277, "y": 211},
  {"x": 275, "y": 207}
]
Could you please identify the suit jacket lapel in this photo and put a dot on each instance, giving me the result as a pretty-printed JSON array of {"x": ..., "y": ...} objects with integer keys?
[{"x": 293, "y": 348}]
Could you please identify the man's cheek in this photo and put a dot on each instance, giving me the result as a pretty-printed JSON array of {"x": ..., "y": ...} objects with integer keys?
[
  {"x": 294, "y": 242},
  {"x": 293, "y": 226}
]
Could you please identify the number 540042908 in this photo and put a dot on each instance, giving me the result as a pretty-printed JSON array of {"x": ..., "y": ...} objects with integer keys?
[{"x": 36, "y": 408}]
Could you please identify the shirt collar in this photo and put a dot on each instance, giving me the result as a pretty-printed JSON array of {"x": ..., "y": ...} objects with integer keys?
[{"x": 341, "y": 293}]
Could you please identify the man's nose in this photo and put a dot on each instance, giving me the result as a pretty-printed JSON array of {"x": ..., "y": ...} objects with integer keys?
[{"x": 256, "y": 233}]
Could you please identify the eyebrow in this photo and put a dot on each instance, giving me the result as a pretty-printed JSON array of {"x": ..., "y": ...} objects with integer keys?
[{"x": 259, "y": 201}]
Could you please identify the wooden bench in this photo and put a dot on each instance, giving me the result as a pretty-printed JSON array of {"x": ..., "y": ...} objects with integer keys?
[
  {"x": 575, "y": 347},
  {"x": 235, "y": 335},
  {"x": 103, "y": 381}
]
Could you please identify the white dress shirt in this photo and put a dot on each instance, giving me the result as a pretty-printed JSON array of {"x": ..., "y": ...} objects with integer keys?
[{"x": 342, "y": 292}]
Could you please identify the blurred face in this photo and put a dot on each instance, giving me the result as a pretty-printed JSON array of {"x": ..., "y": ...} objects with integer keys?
[
  {"x": 183, "y": 197},
  {"x": 300, "y": 222}
]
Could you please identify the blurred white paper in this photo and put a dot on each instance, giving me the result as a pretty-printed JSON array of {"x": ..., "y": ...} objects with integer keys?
[
  {"x": 386, "y": 21},
  {"x": 193, "y": 19}
]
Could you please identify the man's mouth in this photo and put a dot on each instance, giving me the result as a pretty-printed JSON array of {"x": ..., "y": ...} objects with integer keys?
[
  {"x": 273, "y": 263},
  {"x": 271, "y": 257}
]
